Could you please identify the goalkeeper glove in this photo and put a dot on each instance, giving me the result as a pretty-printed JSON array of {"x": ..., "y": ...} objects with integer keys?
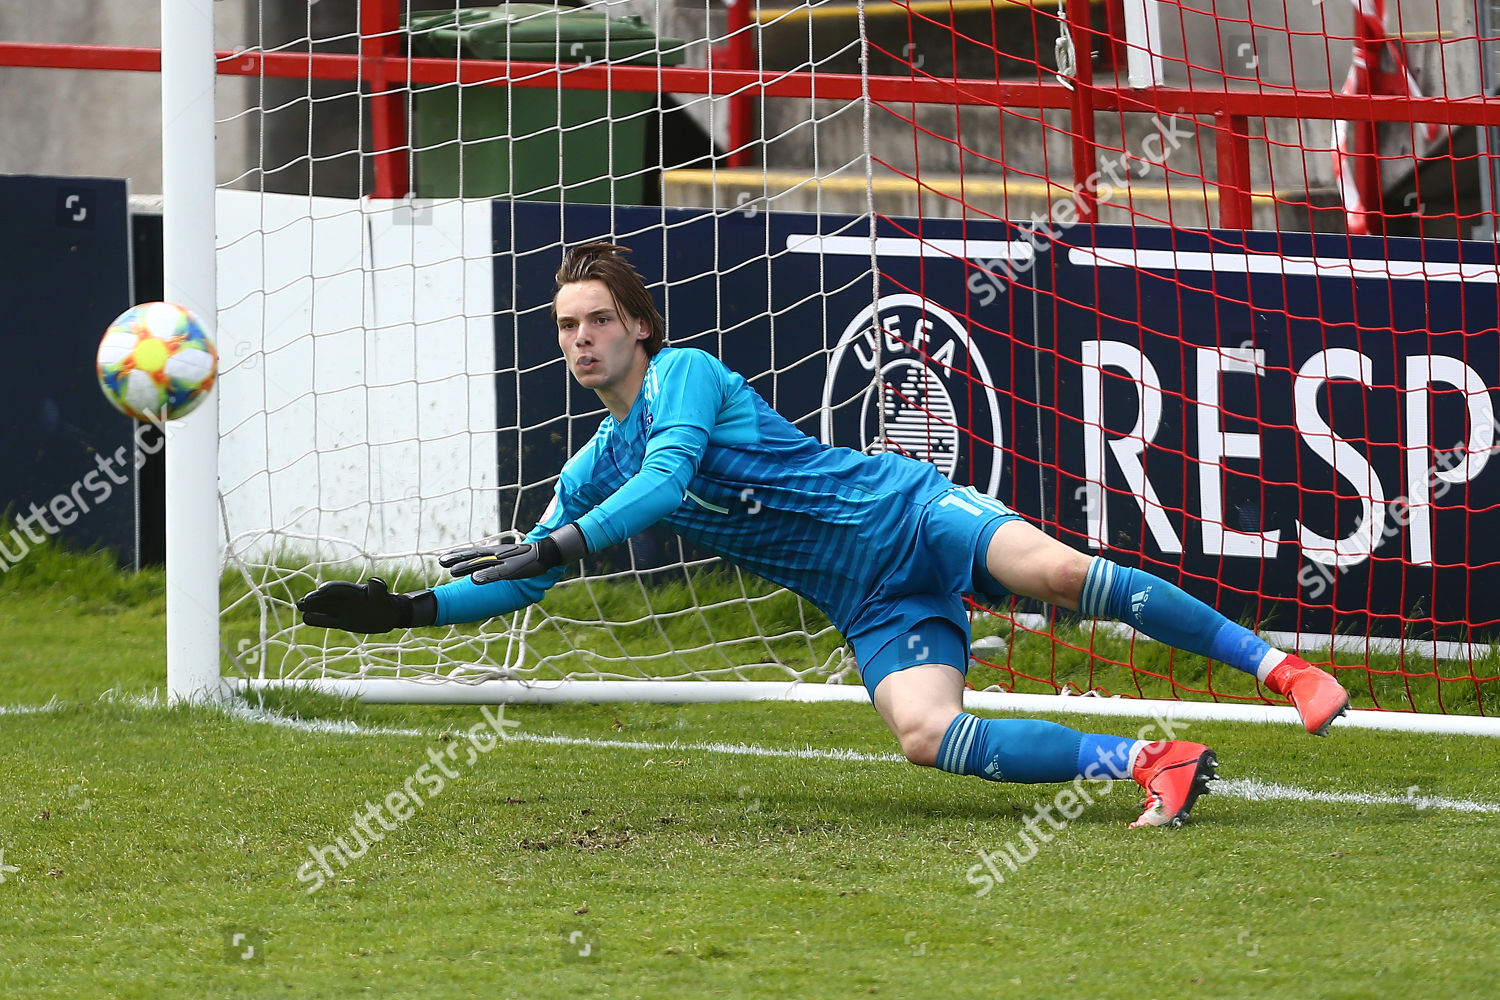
[
  {"x": 366, "y": 607},
  {"x": 517, "y": 562}
]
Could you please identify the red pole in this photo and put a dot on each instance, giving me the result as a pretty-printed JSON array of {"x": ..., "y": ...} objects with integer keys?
[
  {"x": 1367, "y": 166},
  {"x": 1085, "y": 149},
  {"x": 1232, "y": 143},
  {"x": 741, "y": 52},
  {"x": 1114, "y": 25},
  {"x": 379, "y": 40}
]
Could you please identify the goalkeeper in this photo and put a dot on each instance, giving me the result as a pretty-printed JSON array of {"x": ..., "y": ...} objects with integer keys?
[{"x": 885, "y": 545}]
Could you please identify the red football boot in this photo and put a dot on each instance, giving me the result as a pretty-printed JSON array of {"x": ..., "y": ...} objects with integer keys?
[
  {"x": 1174, "y": 775},
  {"x": 1319, "y": 697}
]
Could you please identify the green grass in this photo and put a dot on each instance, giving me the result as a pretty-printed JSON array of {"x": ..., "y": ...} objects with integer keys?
[{"x": 141, "y": 834}]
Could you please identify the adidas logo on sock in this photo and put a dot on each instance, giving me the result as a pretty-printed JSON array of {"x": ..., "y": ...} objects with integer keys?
[
  {"x": 1138, "y": 601},
  {"x": 993, "y": 767}
]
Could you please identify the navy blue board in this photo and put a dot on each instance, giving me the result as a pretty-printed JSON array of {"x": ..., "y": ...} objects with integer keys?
[
  {"x": 797, "y": 315},
  {"x": 64, "y": 275},
  {"x": 1013, "y": 374},
  {"x": 1333, "y": 389}
]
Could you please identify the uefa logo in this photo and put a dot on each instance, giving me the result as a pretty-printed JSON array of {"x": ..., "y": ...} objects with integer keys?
[{"x": 904, "y": 377}]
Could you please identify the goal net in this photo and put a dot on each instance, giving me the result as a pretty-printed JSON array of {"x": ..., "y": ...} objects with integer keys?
[
  {"x": 393, "y": 385},
  {"x": 1207, "y": 289}
]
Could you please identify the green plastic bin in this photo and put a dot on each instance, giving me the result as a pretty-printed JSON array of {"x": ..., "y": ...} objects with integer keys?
[{"x": 537, "y": 143}]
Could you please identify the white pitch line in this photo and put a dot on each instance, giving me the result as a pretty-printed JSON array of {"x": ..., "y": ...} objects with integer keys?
[
  {"x": 735, "y": 749},
  {"x": 1236, "y": 788},
  {"x": 328, "y": 727},
  {"x": 342, "y": 727},
  {"x": 1262, "y": 791}
]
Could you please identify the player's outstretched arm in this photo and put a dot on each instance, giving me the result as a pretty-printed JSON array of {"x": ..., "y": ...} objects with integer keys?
[
  {"x": 691, "y": 389},
  {"x": 367, "y": 607},
  {"x": 487, "y": 564}
]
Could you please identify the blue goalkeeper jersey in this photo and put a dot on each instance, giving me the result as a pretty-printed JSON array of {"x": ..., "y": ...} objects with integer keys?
[{"x": 703, "y": 453}]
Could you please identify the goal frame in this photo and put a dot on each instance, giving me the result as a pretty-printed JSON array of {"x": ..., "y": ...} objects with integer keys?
[{"x": 190, "y": 276}]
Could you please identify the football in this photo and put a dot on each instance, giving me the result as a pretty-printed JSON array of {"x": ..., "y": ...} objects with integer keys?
[{"x": 156, "y": 362}]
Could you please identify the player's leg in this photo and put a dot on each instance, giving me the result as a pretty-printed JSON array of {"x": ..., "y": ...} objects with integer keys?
[
  {"x": 918, "y": 705},
  {"x": 1027, "y": 561},
  {"x": 915, "y": 672}
]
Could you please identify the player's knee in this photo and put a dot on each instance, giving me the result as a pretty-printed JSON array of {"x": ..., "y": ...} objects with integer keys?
[
  {"x": 1064, "y": 575},
  {"x": 921, "y": 738}
]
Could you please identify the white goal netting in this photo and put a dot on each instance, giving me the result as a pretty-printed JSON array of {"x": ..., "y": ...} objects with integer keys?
[{"x": 391, "y": 381}]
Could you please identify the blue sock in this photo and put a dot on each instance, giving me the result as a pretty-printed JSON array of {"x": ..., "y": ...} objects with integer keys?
[
  {"x": 1029, "y": 751},
  {"x": 1166, "y": 613},
  {"x": 1106, "y": 756}
]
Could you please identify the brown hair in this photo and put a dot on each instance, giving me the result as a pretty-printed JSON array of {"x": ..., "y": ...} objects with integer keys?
[{"x": 606, "y": 262}]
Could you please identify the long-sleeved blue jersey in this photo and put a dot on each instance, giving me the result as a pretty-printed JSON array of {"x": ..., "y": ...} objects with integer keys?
[{"x": 702, "y": 452}]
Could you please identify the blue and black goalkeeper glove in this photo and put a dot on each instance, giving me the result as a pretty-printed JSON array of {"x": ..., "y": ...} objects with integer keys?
[
  {"x": 517, "y": 562},
  {"x": 367, "y": 607}
]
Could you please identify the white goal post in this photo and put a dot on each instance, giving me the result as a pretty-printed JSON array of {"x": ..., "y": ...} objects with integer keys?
[{"x": 188, "y": 192}]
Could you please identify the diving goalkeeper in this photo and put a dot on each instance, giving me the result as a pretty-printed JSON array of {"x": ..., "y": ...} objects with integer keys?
[{"x": 885, "y": 545}]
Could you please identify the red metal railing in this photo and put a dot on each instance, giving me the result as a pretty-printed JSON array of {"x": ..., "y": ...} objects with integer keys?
[{"x": 387, "y": 74}]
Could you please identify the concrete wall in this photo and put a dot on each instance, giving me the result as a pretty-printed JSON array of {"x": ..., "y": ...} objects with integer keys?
[{"x": 88, "y": 123}]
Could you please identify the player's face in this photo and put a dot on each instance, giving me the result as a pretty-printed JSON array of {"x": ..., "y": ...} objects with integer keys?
[{"x": 602, "y": 345}]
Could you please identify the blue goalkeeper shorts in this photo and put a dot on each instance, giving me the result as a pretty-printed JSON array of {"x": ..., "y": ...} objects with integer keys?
[{"x": 916, "y": 615}]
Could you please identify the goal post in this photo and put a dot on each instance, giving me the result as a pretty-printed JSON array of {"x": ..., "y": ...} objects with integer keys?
[
  {"x": 189, "y": 275},
  {"x": 942, "y": 237}
]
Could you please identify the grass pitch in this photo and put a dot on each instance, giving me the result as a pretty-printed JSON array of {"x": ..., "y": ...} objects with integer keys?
[{"x": 606, "y": 851}]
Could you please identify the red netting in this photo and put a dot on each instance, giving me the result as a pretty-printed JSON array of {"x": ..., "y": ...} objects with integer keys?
[{"x": 1291, "y": 423}]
